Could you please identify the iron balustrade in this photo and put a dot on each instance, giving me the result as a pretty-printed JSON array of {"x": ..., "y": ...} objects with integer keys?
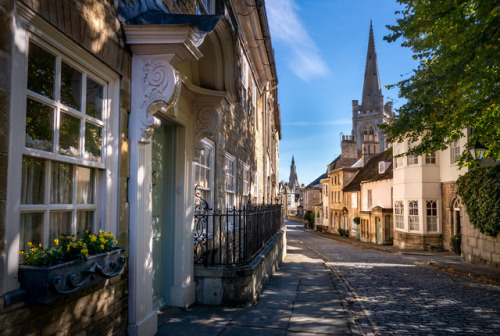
[{"x": 235, "y": 236}]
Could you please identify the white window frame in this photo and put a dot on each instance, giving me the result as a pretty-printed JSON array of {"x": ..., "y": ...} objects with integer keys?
[
  {"x": 399, "y": 212},
  {"x": 208, "y": 167},
  {"x": 431, "y": 215},
  {"x": 30, "y": 27},
  {"x": 413, "y": 218},
  {"x": 412, "y": 159},
  {"x": 370, "y": 198},
  {"x": 398, "y": 149},
  {"x": 454, "y": 152},
  {"x": 256, "y": 188},
  {"x": 230, "y": 173},
  {"x": 430, "y": 158},
  {"x": 245, "y": 192}
]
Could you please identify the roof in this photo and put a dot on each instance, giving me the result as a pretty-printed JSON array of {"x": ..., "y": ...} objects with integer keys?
[
  {"x": 369, "y": 171},
  {"x": 340, "y": 162},
  {"x": 384, "y": 176},
  {"x": 316, "y": 181}
]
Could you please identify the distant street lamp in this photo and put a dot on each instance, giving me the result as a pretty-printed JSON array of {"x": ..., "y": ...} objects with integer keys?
[{"x": 477, "y": 151}]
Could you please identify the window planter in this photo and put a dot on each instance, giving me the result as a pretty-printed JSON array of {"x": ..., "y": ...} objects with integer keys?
[{"x": 45, "y": 284}]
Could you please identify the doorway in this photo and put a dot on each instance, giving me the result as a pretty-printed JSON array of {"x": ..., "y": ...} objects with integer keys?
[
  {"x": 163, "y": 199},
  {"x": 456, "y": 217},
  {"x": 377, "y": 224}
]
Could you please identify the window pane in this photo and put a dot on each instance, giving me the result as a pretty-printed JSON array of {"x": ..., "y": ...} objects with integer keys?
[
  {"x": 85, "y": 178},
  {"x": 71, "y": 86},
  {"x": 94, "y": 99},
  {"x": 60, "y": 224},
  {"x": 84, "y": 221},
  {"x": 62, "y": 183},
  {"x": 31, "y": 229},
  {"x": 69, "y": 135},
  {"x": 41, "y": 71},
  {"x": 39, "y": 126},
  {"x": 33, "y": 181},
  {"x": 93, "y": 142}
]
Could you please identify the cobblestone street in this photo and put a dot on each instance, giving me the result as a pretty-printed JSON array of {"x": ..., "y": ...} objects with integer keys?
[{"x": 397, "y": 295}]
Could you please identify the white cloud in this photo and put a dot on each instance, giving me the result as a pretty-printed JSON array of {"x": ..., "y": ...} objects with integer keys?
[
  {"x": 320, "y": 123},
  {"x": 285, "y": 26}
]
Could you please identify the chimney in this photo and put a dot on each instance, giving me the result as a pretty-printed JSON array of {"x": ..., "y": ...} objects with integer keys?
[{"x": 348, "y": 146}]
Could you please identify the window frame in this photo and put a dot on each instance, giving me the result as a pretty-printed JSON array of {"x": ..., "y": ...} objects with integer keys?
[
  {"x": 399, "y": 214},
  {"x": 433, "y": 216},
  {"x": 32, "y": 28},
  {"x": 207, "y": 144},
  {"x": 413, "y": 215},
  {"x": 229, "y": 158},
  {"x": 455, "y": 152}
]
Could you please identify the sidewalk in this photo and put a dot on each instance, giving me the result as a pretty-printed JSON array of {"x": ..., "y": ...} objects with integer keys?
[
  {"x": 442, "y": 260},
  {"x": 300, "y": 299}
]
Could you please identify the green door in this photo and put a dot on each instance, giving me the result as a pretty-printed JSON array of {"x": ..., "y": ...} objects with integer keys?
[
  {"x": 377, "y": 223},
  {"x": 162, "y": 168}
]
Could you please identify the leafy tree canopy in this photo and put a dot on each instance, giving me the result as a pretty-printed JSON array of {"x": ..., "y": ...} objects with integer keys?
[{"x": 456, "y": 85}]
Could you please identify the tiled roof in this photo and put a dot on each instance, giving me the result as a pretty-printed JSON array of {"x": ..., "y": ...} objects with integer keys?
[{"x": 370, "y": 171}]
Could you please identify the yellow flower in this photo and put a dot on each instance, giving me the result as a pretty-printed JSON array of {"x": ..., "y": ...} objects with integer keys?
[
  {"x": 87, "y": 231},
  {"x": 56, "y": 241},
  {"x": 34, "y": 249},
  {"x": 21, "y": 252},
  {"x": 101, "y": 232},
  {"x": 102, "y": 247},
  {"x": 68, "y": 246},
  {"x": 84, "y": 244},
  {"x": 84, "y": 251},
  {"x": 116, "y": 242},
  {"x": 40, "y": 244},
  {"x": 93, "y": 238},
  {"x": 30, "y": 243}
]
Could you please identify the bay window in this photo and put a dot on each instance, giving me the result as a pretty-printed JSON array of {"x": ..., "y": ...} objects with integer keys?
[
  {"x": 399, "y": 214},
  {"x": 63, "y": 145}
]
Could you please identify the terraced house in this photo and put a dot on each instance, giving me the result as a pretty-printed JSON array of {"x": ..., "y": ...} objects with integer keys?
[{"x": 111, "y": 113}]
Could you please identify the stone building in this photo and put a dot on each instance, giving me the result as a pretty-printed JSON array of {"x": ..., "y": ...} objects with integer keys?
[
  {"x": 163, "y": 95},
  {"x": 372, "y": 111},
  {"x": 428, "y": 210},
  {"x": 369, "y": 198}
]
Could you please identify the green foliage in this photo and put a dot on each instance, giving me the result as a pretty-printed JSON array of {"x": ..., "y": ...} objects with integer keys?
[
  {"x": 69, "y": 248},
  {"x": 356, "y": 220},
  {"x": 309, "y": 217},
  {"x": 456, "y": 84},
  {"x": 480, "y": 192}
]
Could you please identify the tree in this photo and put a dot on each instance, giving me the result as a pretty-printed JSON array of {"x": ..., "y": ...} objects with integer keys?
[{"x": 456, "y": 86}]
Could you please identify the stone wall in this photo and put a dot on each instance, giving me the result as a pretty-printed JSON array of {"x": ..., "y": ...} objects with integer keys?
[
  {"x": 92, "y": 24},
  {"x": 412, "y": 241},
  {"x": 99, "y": 310},
  {"x": 240, "y": 285}
]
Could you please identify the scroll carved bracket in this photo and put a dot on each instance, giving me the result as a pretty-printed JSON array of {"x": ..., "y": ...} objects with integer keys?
[{"x": 161, "y": 87}]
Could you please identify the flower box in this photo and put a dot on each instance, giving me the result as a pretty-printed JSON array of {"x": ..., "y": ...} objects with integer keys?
[{"x": 45, "y": 284}]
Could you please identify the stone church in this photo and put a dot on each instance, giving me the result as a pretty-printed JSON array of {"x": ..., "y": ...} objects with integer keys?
[{"x": 372, "y": 111}]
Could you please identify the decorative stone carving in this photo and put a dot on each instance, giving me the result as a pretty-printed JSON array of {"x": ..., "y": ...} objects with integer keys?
[
  {"x": 208, "y": 121},
  {"x": 161, "y": 87}
]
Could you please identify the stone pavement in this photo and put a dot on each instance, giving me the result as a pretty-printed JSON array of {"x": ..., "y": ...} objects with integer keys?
[
  {"x": 442, "y": 260},
  {"x": 300, "y": 299}
]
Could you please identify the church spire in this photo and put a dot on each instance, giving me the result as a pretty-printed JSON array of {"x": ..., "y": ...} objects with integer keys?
[
  {"x": 372, "y": 92},
  {"x": 293, "y": 181}
]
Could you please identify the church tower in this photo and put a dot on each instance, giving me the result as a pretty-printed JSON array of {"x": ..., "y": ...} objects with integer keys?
[
  {"x": 372, "y": 111},
  {"x": 293, "y": 181}
]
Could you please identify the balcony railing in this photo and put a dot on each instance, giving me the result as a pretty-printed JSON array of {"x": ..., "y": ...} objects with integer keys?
[{"x": 235, "y": 236}]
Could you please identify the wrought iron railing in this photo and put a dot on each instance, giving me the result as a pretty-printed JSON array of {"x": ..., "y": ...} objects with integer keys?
[{"x": 235, "y": 236}]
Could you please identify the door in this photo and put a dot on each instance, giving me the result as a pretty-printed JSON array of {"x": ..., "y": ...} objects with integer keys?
[
  {"x": 377, "y": 224},
  {"x": 162, "y": 167},
  {"x": 387, "y": 229}
]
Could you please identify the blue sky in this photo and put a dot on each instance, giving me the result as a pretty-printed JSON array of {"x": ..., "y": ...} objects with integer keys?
[{"x": 320, "y": 48}]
